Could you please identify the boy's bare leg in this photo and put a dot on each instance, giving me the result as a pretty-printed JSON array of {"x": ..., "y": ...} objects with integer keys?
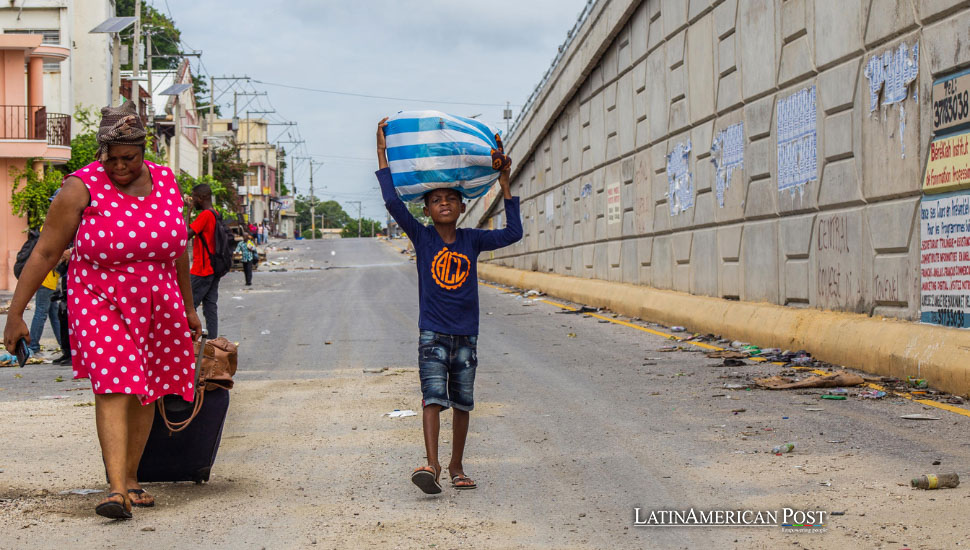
[
  {"x": 432, "y": 425},
  {"x": 460, "y": 422}
]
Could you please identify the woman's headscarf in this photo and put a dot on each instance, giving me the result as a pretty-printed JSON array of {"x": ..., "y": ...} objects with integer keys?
[{"x": 120, "y": 126}]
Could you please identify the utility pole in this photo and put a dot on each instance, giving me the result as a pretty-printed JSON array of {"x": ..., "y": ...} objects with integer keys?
[
  {"x": 292, "y": 164},
  {"x": 212, "y": 116},
  {"x": 136, "y": 41},
  {"x": 313, "y": 199},
  {"x": 115, "y": 68},
  {"x": 148, "y": 68},
  {"x": 313, "y": 205},
  {"x": 359, "y": 208},
  {"x": 507, "y": 115},
  {"x": 176, "y": 141},
  {"x": 212, "y": 119}
]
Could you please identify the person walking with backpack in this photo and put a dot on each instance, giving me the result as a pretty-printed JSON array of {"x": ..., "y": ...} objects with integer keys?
[
  {"x": 211, "y": 256},
  {"x": 45, "y": 308}
]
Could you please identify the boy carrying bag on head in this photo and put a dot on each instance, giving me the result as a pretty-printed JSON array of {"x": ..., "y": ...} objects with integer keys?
[{"x": 448, "y": 296}]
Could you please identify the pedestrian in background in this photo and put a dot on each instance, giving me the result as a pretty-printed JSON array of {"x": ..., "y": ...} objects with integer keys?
[
  {"x": 247, "y": 251},
  {"x": 261, "y": 238},
  {"x": 448, "y": 304},
  {"x": 205, "y": 284},
  {"x": 129, "y": 299},
  {"x": 45, "y": 308}
]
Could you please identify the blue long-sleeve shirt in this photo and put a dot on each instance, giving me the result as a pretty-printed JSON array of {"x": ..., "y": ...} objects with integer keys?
[{"x": 447, "y": 272}]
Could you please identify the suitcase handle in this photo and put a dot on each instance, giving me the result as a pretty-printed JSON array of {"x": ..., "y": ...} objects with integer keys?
[{"x": 175, "y": 427}]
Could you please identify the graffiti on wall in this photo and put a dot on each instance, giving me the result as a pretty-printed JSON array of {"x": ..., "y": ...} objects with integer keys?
[
  {"x": 797, "y": 140},
  {"x": 839, "y": 283},
  {"x": 680, "y": 181},
  {"x": 727, "y": 153},
  {"x": 945, "y": 259}
]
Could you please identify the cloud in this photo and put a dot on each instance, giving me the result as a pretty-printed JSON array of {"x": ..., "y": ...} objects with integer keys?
[{"x": 484, "y": 52}]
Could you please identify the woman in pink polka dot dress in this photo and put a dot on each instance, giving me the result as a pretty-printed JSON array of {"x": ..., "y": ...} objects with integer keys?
[
  {"x": 124, "y": 306},
  {"x": 129, "y": 298}
]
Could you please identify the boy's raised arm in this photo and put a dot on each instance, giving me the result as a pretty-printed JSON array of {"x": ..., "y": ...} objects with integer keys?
[
  {"x": 395, "y": 206},
  {"x": 492, "y": 240}
]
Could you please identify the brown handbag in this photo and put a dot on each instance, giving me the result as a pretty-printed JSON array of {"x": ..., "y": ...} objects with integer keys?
[{"x": 214, "y": 368}]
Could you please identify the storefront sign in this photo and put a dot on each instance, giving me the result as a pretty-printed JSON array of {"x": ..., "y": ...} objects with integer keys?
[{"x": 948, "y": 165}]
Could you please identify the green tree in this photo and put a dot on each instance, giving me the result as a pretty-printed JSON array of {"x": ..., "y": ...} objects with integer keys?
[
  {"x": 367, "y": 226},
  {"x": 329, "y": 214},
  {"x": 165, "y": 38},
  {"x": 224, "y": 198},
  {"x": 225, "y": 166},
  {"x": 84, "y": 148},
  {"x": 281, "y": 173},
  {"x": 88, "y": 116},
  {"x": 31, "y": 193},
  {"x": 417, "y": 210},
  {"x": 201, "y": 86}
]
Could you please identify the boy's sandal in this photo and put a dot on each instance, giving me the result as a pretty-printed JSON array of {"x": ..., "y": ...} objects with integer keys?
[
  {"x": 112, "y": 509},
  {"x": 142, "y": 498},
  {"x": 461, "y": 481},
  {"x": 426, "y": 479}
]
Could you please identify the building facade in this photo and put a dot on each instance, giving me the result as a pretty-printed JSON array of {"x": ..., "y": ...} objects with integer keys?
[
  {"x": 83, "y": 78},
  {"x": 28, "y": 131}
]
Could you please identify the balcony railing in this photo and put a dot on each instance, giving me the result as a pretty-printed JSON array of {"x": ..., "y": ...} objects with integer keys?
[
  {"x": 33, "y": 123},
  {"x": 59, "y": 129}
]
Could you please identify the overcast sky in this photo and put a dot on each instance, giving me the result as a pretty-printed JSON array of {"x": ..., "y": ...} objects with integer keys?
[{"x": 478, "y": 52}]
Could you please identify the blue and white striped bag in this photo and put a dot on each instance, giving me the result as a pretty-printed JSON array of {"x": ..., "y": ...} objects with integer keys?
[{"x": 429, "y": 150}]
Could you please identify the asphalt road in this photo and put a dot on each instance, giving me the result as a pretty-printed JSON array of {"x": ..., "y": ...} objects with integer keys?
[{"x": 578, "y": 421}]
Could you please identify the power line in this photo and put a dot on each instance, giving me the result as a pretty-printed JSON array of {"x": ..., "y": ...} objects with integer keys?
[{"x": 334, "y": 92}]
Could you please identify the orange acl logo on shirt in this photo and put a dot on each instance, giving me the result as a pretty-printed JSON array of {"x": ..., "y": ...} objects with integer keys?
[{"x": 450, "y": 269}]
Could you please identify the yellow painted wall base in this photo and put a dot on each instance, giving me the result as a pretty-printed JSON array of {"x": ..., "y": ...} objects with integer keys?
[{"x": 878, "y": 345}]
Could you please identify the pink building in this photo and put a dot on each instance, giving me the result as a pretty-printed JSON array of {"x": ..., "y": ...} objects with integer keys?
[{"x": 27, "y": 131}]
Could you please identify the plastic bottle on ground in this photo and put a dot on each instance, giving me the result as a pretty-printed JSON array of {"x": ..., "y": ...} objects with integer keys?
[
  {"x": 936, "y": 481},
  {"x": 781, "y": 449}
]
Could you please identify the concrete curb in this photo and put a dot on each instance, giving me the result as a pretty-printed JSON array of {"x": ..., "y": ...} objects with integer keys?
[{"x": 878, "y": 345}]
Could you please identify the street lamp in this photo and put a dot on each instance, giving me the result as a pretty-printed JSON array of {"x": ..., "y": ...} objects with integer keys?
[{"x": 114, "y": 26}]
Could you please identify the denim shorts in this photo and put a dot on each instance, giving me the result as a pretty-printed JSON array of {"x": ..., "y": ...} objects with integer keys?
[{"x": 446, "y": 366}]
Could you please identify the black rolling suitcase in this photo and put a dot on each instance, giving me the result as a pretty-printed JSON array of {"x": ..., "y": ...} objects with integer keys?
[{"x": 186, "y": 455}]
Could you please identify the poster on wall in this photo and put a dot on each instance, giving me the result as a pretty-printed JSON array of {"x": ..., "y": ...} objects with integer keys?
[
  {"x": 614, "y": 209},
  {"x": 797, "y": 139},
  {"x": 727, "y": 153},
  {"x": 945, "y": 259},
  {"x": 550, "y": 207},
  {"x": 680, "y": 181},
  {"x": 951, "y": 102},
  {"x": 948, "y": 165}
]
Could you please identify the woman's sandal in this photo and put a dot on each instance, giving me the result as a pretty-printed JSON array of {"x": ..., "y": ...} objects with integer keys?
[
  {"x": 114, "y": 510},
  {"x": 461, "y": 481},
  {"x": 426, "y": 479},
  {"x": 141, "y": 498}
]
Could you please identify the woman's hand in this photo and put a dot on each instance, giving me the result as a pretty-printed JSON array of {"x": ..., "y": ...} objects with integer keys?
[
  {"x": 15, "y": 330},
  {"x": 195, "y": 325}
]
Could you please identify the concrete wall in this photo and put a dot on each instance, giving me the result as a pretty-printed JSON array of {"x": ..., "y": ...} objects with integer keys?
[{"x": 644, "y": 77}]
